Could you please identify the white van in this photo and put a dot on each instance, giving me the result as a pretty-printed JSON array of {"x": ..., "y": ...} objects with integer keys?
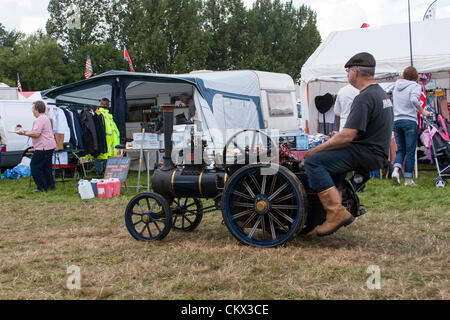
[{"x": 14, "y": 112}]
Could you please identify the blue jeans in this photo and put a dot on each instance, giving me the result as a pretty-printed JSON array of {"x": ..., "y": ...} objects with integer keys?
[
  {"x": 100, "y": 165},
  {"x": 406, "y": 133},
  {"x": 321, "y": 166}
]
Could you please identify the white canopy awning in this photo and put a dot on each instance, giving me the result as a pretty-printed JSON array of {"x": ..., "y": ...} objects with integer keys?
[
  {"x": 324, "y": 71},
  {"x": 388, "y": 44}
]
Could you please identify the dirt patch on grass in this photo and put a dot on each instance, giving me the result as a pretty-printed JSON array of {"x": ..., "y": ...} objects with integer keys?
[{"x": 41, "y": 237}]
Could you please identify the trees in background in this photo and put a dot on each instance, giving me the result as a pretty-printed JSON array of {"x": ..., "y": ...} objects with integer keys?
[
  {"x": 281, "y": 37},
  {"x": 161, "y": 36},
  {"x": 225, "y": 29},
  {"x": 40, "y": 61},
  {"x": 8, "y": 40},
  {"x": 77, "y": 23}
]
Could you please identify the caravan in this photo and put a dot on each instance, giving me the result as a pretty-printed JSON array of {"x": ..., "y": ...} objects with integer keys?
[
  {"x": 225, "y": 101},
  {"x": 13, "y": 113}
]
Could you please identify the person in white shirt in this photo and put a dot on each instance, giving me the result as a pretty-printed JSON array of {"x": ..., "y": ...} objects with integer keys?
[
  {"x": 343, "y": 103},
  {"x": 330, "y": 125}
]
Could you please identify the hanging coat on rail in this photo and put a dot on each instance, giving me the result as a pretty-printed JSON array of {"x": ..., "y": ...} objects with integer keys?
[
  {"x": 106, "y": 124},
  {"x": 101, "y": 135},
  {"x": 112, "y": 133},
  {"x": 89, "y": 132},
  {"x": 77, "y": 127},
  {"x": 73, "y": 139}
]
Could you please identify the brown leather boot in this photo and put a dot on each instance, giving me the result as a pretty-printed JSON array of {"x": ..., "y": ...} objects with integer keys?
[{"x": 337, "y": 215}]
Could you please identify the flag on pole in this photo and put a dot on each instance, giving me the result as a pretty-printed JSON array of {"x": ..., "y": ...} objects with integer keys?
[
  {"x": 19, "y": 85},
  {"x": 424, "y": 78},
  {"x": 89, "y": 70},
  {"x": 431, "y": 11},
  {"x": 422, "y": 100},
  {"x": 127, "y": 58}
]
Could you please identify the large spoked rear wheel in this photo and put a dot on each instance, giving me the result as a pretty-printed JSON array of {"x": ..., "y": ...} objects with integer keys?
[
  {"x": 264, "y": 210},
  {"x": 187, "y": 214},
  {"x": 148, "y": 217}
]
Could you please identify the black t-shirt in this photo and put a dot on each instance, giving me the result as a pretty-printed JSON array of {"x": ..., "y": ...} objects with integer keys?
[{"x": 372, "y": 115}]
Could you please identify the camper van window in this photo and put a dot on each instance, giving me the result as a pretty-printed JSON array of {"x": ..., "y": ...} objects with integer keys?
[{"x": 280, "y": 104}]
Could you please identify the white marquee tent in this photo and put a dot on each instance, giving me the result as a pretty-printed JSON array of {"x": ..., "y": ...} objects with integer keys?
[{"x": 324, "y": 71}]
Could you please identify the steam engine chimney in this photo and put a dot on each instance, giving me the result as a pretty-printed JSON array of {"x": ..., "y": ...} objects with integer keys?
[{"x": 168, "y": 130}]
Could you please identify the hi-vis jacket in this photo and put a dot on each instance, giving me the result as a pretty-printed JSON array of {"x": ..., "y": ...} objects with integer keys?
[{"x": 112, "y": 134}]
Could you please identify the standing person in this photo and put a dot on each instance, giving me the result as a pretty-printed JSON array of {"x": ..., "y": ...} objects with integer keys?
[
  {"x": 343, "y": 104},
  {"x": 406, "y": 97},
  {"x": 44, "y": 144},
  {"x": 363, "y": 144},
  {"x": 188, "y": 101},
  {"x": 112, "y": 136}
]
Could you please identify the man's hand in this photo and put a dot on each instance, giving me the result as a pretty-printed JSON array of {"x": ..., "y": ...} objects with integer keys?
[
  {"x": 427, "y": 113},
  {"x": 21, "y": 133},
  {"x": 310, "y": 152}
]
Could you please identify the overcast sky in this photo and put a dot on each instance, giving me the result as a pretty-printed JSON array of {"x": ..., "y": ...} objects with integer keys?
[{"x": 332, "y": 15}]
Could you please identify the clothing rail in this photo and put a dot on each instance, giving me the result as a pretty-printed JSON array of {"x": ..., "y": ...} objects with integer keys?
[{"x": 75, "y": 105}]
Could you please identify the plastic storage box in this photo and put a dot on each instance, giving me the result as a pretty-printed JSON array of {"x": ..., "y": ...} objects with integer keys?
[{"x": 295, "y": 141}]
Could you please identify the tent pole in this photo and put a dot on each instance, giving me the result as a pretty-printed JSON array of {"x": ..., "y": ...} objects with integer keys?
[
  {"x": 309, "y": 114},
  {"x": 410, "y": 40}
]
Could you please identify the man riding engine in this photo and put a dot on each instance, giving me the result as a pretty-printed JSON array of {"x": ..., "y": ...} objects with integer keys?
[{"x": 363, "y": 144}]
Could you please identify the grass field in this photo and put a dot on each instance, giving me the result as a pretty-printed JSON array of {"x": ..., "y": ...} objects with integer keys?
[{"x": 405, "y": 233}]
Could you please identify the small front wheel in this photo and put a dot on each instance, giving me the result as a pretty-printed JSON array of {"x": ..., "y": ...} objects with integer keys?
[
  {"x": 148, "y": 217},
  {"x": 187, "y": 214}
]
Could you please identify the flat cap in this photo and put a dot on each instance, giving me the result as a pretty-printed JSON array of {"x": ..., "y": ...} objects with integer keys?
[{"x": 362, "y": 59}]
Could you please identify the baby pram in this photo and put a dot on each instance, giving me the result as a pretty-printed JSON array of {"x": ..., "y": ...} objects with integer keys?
[{"x": 438, "y": 143}]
